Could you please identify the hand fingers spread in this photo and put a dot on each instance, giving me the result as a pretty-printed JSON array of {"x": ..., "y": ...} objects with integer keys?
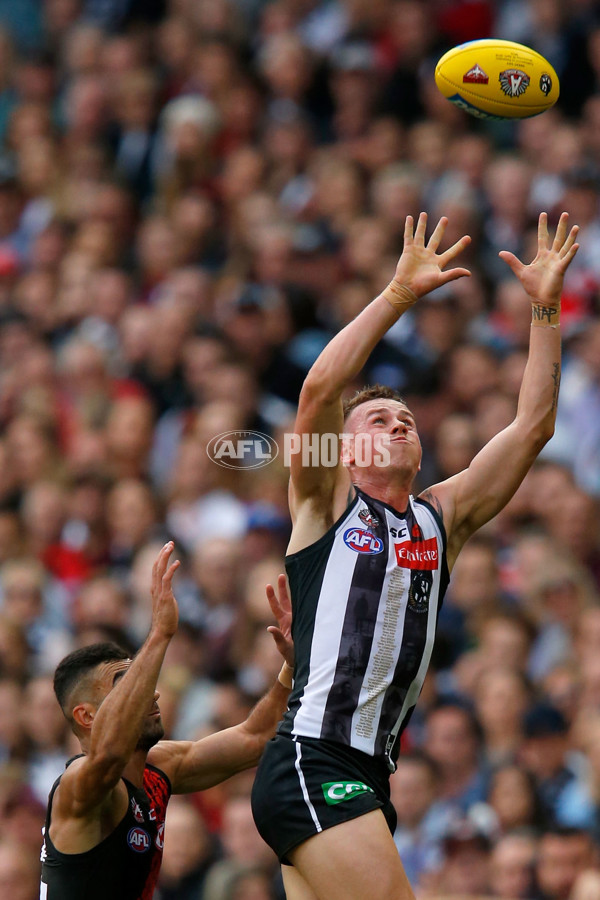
[
  {"x": 163, "y": 559},
  {"x": 438, "y": 234},
  {"x": 511, "y": 260},
  {"x": 561, "y": 232},
  {"x": 543, "y": 230},
  {"x": 453, "y": 274},
  {"x": 449, "y": 254},
  {"x": 284, "y": 597},
  {"x": 420, "y": 229},
  {"x": 168, "y": 576},
  {"x": 273, "y": 601},
  {"x": 569, "y": 241},
  {"x": 566, "y": 259}
]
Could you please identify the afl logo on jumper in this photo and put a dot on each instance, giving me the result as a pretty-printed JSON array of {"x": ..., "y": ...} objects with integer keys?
[
  {"x": 138, "y": 840},
  {"x": 421, "y": 555},
  {"x": 362, "y": 541}
]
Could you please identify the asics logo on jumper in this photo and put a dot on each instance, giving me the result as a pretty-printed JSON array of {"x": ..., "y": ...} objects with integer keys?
[
  {"x": 422, "y": 555},
  {"x": 338, "y": 791}
]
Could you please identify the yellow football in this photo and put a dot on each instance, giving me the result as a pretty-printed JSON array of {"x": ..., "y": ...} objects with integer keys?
[{"x": 494, "y": 79}]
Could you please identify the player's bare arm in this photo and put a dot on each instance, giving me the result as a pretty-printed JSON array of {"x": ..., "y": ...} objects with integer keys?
[
  {"x": 471, "y": 498},
  {"x": 91, "y": 797},
  {"x": 318, "y": 495},
  {"x": 197, "y": 765}
]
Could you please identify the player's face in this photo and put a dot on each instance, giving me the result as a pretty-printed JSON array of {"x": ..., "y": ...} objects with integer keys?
[
  {"x": 393, "y": 424},
  {"x": 152, "y": 728}
]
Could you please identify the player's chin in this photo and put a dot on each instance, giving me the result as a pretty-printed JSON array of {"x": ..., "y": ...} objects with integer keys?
[{"x": 151, "y": 735}]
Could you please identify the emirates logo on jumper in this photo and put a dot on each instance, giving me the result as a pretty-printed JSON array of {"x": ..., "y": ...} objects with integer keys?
[{"x": 424, "y": 555}]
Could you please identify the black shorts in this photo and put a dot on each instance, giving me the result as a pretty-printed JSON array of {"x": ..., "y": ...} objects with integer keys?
[{"x": 304, "y": 786}]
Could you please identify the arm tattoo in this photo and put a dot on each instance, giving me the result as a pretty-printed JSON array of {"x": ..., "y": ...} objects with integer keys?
[
  {"x": 433, "y": 500},
  {"x": 556, "y": 380}
]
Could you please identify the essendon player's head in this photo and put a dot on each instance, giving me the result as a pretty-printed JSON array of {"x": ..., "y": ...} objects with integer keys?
[
  {"x": 84, "y": 678},
  {"x": 74, "y": 675}
]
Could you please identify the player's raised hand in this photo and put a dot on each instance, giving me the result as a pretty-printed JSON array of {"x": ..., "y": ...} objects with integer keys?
[
  {"x": 165, "y": 614},
  {"x": 281, "y": 607},
  {"x": 421, "y": 268},
  {"x": 543, "y": 278}
]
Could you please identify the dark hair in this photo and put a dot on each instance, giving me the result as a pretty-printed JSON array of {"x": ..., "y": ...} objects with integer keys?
[
  {"x": 375, "y": 392},
  {"x": 78, "y": 663},
  {"x": 465, "y": 708},
  {"x": 419, "y": 757}
]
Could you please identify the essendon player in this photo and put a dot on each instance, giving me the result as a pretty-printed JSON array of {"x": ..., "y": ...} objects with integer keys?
[{"x": 105, "y": 823}]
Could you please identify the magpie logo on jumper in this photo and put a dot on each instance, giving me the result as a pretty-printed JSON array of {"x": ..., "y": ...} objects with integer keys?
[
  {"x": 368, "y": 519},
  {"x": 138, "y": 840},
  {"x": 362, "y": 541},
  {"x": 339, "y": 791},
  {"x": 423, "y": 555},
  {"x": 242, "y": 450}
]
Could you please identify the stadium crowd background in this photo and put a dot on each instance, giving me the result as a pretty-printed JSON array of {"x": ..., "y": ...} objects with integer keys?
[{"x": 194, "y": 196}]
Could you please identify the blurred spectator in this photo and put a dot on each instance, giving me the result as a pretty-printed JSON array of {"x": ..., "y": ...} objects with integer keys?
[
  {"x": 193, "y": 198},
  {"x": 563, "y": 855},
  {"x": 421, "y": 822}
]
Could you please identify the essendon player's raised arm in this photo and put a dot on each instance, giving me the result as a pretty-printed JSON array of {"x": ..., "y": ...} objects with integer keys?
[
  {"x": 368, "y": 566},
  {"x": 104, "y": 830}
]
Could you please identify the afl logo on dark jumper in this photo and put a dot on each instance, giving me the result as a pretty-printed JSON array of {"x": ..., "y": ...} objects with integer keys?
[{"x": 138, "y": 840}]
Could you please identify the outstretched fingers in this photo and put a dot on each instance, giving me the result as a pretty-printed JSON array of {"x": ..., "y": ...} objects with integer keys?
[
  {"x": 168, "y": 576},
  {"x": 543, "y": 231},
  {"x": 561, "y": 232},
  {"x": 570, "y": 241},
  {"x": 453, "y": 251},
  {"x": 408, "y": 231},
  {"x": 565, "y": 260},
  {"x": 511, "y": 260},
  {"x": 421, "y": 228},
  {"x": 438, "y": 233}
]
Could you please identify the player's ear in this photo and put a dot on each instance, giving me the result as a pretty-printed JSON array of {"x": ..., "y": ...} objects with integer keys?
[{"x": 83, "y": 715}]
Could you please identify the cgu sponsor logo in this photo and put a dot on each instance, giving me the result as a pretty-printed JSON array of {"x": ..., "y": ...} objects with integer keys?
[
  {"x": 423, "y": 555},
  {"x": 138, "y": 840},
  {"x": 339, "y": 791},
  {"x": 362, "y": 541}
]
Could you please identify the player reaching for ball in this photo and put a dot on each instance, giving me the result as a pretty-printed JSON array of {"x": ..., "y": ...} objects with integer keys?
[
  {"x": 105, "y": 823},
  {"x": 368, "y": 565}
]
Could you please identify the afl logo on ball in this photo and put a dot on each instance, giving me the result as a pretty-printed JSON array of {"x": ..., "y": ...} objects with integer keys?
[
  {"x": 545, "y": 84},
  {"x": 362, "y": 541},
  {"x": 138, "y": 840}
]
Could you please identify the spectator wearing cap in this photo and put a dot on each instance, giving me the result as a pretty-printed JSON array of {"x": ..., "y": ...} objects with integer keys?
[
  {"x": 465, "y": 871},
  {"x": 545, "y": 753}
]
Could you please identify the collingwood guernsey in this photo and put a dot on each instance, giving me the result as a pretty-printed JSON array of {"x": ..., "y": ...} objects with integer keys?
[{"x": 366, "y": 598}]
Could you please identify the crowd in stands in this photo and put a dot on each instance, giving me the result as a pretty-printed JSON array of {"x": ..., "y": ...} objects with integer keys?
[{"x": 195, "y": 195}]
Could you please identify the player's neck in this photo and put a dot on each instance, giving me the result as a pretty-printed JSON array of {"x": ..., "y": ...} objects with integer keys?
[
  {"x": 134, "y": 770},
  {"x": 395, "y": 494}
]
